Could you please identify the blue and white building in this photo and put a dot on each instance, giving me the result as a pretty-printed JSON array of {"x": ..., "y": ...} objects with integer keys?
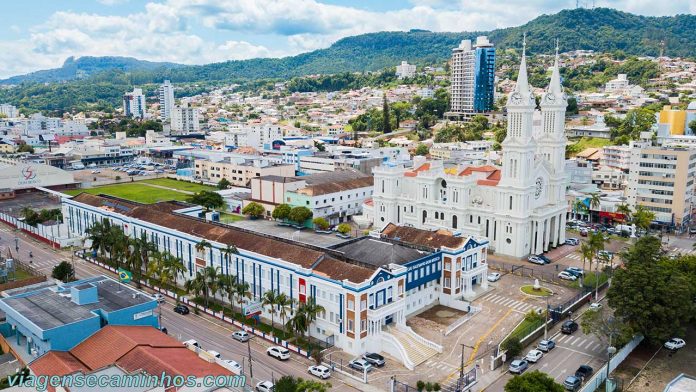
[
  {"x": 368, "y": 287},
  {"x": 472, "y": 78}
]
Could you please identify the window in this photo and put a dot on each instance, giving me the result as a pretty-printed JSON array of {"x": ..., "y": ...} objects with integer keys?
[
  {"x": 447, "y": 282},
  {"x": 363, "y": 304},
  {"x": 447, "y": 265},
  {"x": 351, "y": 304},
  {"x": 350, "y": 325},
  {"x": 363, "y": 325}
]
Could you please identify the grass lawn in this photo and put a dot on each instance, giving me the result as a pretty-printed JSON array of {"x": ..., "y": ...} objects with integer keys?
[
  {"x": 527, "y": 326},
  {"x": 180, "y": 185},
  {"x": 529, "y": 289},
  {"x": 133, "y": 191},
  {"x": 226, "y": 217},
  {"x": 21, "y": 274},
  {"x": 588, "y": 142}
]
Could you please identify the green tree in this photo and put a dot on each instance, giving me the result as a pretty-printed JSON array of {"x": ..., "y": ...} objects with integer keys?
[
  {"x": 63, "y": 272},
  {"x": 513, "y": 346},
  {"x": 281, "y": 212},
  {"x": 643, "y": 217},
  {"x": 606, "y": 327},
  {"x": 208, "y": 199},
  {"x": 343, "y": 228},
  {"x": 320, "y": 223},
  {"x": 533, "y": 381},
  {"x": 400, "y": 110},
  {"x": 254, "y": 210},
  {"x": 422, "y": 150},
  {"x": 270, "y": 299},
  {"x": 386, "y": 119},
  {"x": 652, "y": 300},
  {"x": 25, "y": 148},
  {"x": 284, "y": 304},
  {"x": 223, "y": 184},
  {"x": 300, "y": 214},
  {"x": 692, "y": 126}
]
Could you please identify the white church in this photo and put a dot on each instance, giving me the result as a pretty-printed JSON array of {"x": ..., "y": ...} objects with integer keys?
[{"x": 520, "y": 207}]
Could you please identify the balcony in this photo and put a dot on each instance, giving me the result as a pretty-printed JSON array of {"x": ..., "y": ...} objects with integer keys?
[{"x": 385, "y": 310}]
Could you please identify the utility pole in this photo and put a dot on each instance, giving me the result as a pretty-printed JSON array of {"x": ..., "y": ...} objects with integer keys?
[
  {"x": 461, "y": 368},
  {"x": 546, "y": 319},
  {"x": 251, "y": 369}
]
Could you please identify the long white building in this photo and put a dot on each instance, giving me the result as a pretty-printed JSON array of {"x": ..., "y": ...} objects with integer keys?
[
  {"x": 520, "y": 207},
  {"x": 368, "y": 286}
]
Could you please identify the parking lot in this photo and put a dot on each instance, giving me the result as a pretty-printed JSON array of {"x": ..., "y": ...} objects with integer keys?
[{"x": 34, "y": 200}]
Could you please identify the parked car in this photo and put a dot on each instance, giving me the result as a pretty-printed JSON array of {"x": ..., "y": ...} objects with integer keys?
[
  {"x": 234, "y": 365},
  {"x": 583, "y": 232},
  {"x": 578, "y": 272},
  {"x": 675, "y": 344},
  {"x": 159, "y": 297},
  {"x": 181, "y": 309},
  {"x": 265, "y": 386},
  {"x": 572, "y": 241},
  {"x": 277, "y": 352},
  {"x": 360, "y": 364},
  {"x": 535, "y": 260},
  {"x": 533, "y": 356},
  {"x": 241, "y": 336},
  {"x": 518, "y": 366},
  {"x": 320, "y": 371},
  {"x": 583, "y": 372},
  {"x": 569, "y": 326},
  {"x": 191, "y": 342},
  {"x": 493, "y": 277},
  {"x": 546, "y": 345},
  {"x": 374, "y": 359},
  {"x": 595, "y": 306},
  {"x": 572, "y": 383},
  {"x": 214, "y": 354},
  {"x": 605, "y": 255},
  {"x": 567, "y": 276},
  {"x": 545, "y": 259},
  {"x": 164, "y": 330}
]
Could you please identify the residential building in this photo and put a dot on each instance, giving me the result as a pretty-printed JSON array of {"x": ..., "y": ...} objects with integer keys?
[
  {"x": 367, "y": 286},
  {"x": 661, "y": 179},
  {"x": 259, "y": 136},
  {"x": 240, "y": 171},
  {"x": 335, "y": 201},
  {"x": 9, "y": 111},
  {"x": 38, "y": 124},
  {"x": 134, "y": 104},
  {"x": 616, "y": 157},
  {"x": 472, "y": 77},
  {"x": 607, "y": 178},
  {"x": 675, "y": 119},
  {"x": 405, "y": 70},
  {"x": 461, "y": 151},
  {"x": 136, "y": 351},
  {"x": 598, "y": 129},
  {"x": 618, "y": 85},
  {"x": 60, "y": 317},
  {"x": 166, "y": 100},
  {"x": 520, "y": 207},
  {"x": 184, "y": 120}
]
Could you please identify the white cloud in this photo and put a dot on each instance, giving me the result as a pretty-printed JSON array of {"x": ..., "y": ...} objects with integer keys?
[{"x": 174, "y": 30}]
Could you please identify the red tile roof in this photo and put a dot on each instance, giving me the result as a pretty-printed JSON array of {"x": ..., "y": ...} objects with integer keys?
[
  {"x": 491, "y": 179},
  {"x": 432, "y": 239},
  {"x": 414, "y": 173},
  {"x": 132, "y": 348}
]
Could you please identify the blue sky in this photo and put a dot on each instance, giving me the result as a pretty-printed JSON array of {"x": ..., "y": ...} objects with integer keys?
[{"x": 40, "y": 34}]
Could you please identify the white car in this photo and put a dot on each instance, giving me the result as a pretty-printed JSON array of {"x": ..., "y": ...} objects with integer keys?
[
  {"x": 567, "y": 276},
  {"x": 675, "y": 344},
  {"x": 278, "y": 352},
  {"x": 191, "y": 342},
  {"x": 533, "y": 356},
  {"x": 595, "y": 306},
  {"x": 535, "y": 260},
  {"x": 233, "y": 365},
  {"x": 493, "y": 277},
  {"x": 572, "y": 241},
  {"x": 265, "y": 386},
  {"x": 214, "y": 354},
  {"x": 320, "y": 371},
  {"x": 159, "y": 297}
]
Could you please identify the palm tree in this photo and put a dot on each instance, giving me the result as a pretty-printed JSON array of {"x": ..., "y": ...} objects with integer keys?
[
  {"x": 643, "y": 217},
  {"x": 227, "y": 286},
  {"x": 284, "y": 304},
  {"x": 241, "y": 291},
  {"x": 210, "y": 279},
  {"x": 298, "y": 323},
  {"x": 228, "y": 252},
  {"x": 174, "y": 265},
  {"x": 116, "y": 242},
  {"x": 625, "y": 210},
  {"x": 196, "y": 286},
  {"x": 270, "y": 299},
  {"x": 312, "y": 311},
  {"x": 99, "y": 235},
  {"x": 586, "y": 252},
  {"x": 579, "y": 208},
  {"x": 595, "y": 201},
  {"x": 155, "y": 268}
]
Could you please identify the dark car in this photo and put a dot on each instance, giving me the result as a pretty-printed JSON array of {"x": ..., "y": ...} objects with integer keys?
[
  {"x": 546, "y": 259},
  {"x": 569, "y": 327},
  {"x": 374, "y": 359},
  {"x": 583, "y": 372},
  {"x": 181, "y": 309},
  {"x": 164, "y": 330},
  {"x": 572, "y": 383}
]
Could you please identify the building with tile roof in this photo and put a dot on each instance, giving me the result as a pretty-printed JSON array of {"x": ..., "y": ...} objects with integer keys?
[
  {"x": 363, "y": 285},
  {"x": 518, "y": 206}
]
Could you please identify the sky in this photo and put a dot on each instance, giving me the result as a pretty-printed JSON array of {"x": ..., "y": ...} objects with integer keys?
[{"x": 41, "y": 34}]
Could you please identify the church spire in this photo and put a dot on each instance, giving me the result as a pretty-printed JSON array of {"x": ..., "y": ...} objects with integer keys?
[
  {"x": 522, "y": 85},
  {"x": 555, "y": 84}
]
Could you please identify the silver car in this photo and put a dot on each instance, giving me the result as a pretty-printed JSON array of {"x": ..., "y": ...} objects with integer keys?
[{"x": 518, "y": 366}]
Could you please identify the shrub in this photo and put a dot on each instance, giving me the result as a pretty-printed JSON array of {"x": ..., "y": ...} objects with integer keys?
[
  {"x": 420, "y": 385},
  {"x": 320, "y": 223},
  {"x": 254, "y": 210},
  {"x": 513, "y": 346},
  {"x": 343, "y": 228}
]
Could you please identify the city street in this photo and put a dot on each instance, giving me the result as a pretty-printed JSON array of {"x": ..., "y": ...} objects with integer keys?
[{"x": 211, "y": 334}]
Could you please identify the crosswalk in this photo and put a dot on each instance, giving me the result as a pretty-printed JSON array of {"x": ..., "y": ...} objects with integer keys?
[
  {"x": 511, "y": 303},
  {"x": 574, "y": 256},
  {"x": 440, "y": 365},
  {"x": 682, "y": 251},
  {"x": 580, "y": 343}
]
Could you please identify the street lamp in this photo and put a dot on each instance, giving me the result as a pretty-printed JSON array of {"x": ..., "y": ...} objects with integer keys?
[{"x": 611, "y": 350}]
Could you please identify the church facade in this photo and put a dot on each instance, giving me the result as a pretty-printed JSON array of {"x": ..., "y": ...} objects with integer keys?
[{"x": 519, "y": 207}]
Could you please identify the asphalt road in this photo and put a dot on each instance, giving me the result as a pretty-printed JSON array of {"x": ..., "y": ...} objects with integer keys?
[{"x": 211, "y": 334}]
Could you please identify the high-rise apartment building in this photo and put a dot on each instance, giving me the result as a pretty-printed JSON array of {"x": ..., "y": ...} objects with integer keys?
[
  {"x": 661, "y": 179},
  {"x": 166, "y": 100},
  {"x": 405, "y": 70},
  {"x": 185, "y": 119},
  {"x": 8, "y": 110},
  {"x": 134, "y": 104},
  {"x": 472, "y": 78}
]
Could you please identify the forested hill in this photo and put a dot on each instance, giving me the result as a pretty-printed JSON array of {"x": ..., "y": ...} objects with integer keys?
[
  {"x": 601, "y": 29},
  {"x": 86, "y": 66}
]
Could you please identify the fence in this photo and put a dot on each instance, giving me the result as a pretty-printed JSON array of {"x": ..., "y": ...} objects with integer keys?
[
  {"x": 48, "y": 234},
  {"x": 343, "y": 367},
  {"x": 459, "y": 322},
  {"x": 597, "y": 380},
  {"x": 218, "y": 315},
  {"x": 529, "y": 271}
]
